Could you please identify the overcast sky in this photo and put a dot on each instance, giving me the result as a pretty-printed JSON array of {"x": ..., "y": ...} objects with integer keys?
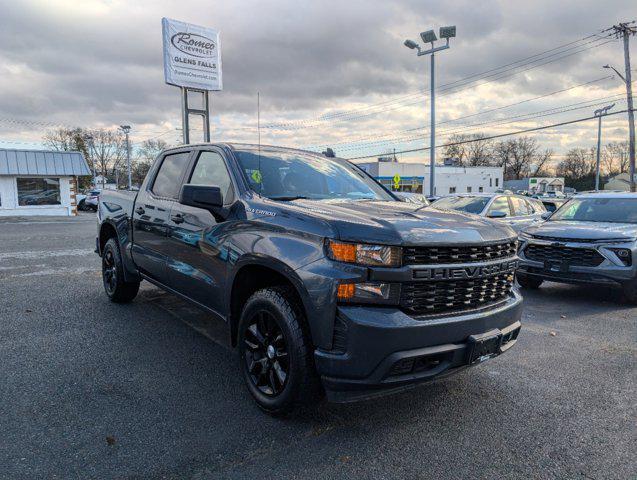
[{"x": 99, "y": 64}]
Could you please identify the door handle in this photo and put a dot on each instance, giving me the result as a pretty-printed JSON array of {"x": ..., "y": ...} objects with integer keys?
[
  {"x": 140, "y": 210},
  {"x": 177, "y": 218}
]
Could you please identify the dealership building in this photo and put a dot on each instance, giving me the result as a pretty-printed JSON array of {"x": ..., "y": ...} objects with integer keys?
[
  {"x": 39, "y": 182},
  {"x": 414, "y": 177}
]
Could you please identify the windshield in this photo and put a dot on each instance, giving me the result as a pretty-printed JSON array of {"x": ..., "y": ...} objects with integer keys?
[
  {"x": 463, "y": 204},
  {"x": 282, "y": 175},
  {"x": 613, "y": 210}
]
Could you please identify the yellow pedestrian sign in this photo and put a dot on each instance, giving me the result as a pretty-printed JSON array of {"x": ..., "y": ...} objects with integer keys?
[{"x": 396, "y": 181}]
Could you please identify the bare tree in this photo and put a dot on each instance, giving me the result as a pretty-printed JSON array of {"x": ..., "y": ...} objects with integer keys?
[
  {"x": 579, "y": 163},
  {"x": 68, "y": 140},
  {"x": 457, "y": 150},
  {"x": 479, "y": 151},
  {"x": 108, "y": 150},
  {"x": 146, "y": 154},
  {"x": 520, "y": 157},
  {"x": 616, "y": 157}
]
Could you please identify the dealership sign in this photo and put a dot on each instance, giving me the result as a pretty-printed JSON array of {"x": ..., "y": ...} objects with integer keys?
[{"x": 192, "y": 56}]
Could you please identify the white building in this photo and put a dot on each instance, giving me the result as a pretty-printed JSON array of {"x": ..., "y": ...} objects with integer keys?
[
  {"x": 449, "y": 179},
  {"x": 537, "y": 184},
  {"x": 36, "y": 182}
]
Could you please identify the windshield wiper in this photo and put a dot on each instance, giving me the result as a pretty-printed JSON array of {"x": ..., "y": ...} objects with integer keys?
[{"x": 289, "y": 198}]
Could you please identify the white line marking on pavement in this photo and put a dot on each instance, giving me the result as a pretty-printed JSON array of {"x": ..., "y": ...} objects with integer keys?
[
  {"x": 56, "y": 271},
  {"x": 45, "y": 253}
]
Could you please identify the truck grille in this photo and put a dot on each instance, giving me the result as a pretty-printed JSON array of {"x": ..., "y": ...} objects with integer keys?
[
  {"x": 582, "y": 257},
  {"x": 460, "y": 254},
  {"x": 455, "y": 296}
]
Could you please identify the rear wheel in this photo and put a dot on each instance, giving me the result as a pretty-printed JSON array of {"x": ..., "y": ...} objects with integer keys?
[
  {"x": 275, "y": 353},
  {"x": 117, "y": 289},
  {"x": 527, "y": 281}
]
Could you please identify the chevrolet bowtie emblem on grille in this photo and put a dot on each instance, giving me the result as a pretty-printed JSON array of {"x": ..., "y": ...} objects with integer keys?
[{"x": 454, "y": 273}]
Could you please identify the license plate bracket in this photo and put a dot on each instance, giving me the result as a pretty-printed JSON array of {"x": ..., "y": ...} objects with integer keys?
[{"x": 484, "y": 346}]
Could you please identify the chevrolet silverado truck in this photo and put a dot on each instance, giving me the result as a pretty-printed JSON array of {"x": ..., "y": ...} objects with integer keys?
[{"x": 323, "y": 281}]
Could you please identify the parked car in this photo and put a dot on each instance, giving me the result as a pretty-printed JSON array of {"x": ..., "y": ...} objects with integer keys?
[
  {"x": 552, "y": 204},
  {"x": 515, "y": 210},
  {"x": 320, "y": 278},
  {"x": 590, "y": 239},
  {"x": 410, "y": 197},
  {"x": 92, "y": 199}
]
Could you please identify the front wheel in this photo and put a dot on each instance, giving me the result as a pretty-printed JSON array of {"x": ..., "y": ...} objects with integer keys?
[
  {"x": 526, "y": 281},
  {"x": 117, "y": 289},
  {"x": 275, "y": 354}
]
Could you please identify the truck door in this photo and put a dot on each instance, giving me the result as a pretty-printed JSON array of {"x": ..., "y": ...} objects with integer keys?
[
  {"x": 151, "y": 214},
  {"x": 196, "y": 264}
]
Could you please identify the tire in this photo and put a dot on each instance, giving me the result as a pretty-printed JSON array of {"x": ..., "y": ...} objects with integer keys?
[
  {"x": 118, "y": 290},
  {"x": 82, "y": 206},
  {"x": 275, "y": 354},
  {"x": 526, "y": 281},
  {"x": 630, "y": 291}
]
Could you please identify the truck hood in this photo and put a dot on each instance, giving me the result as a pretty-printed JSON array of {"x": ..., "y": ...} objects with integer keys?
[
  {"x": 595, "y": 231},
  {"x": 399, "y": 223}
]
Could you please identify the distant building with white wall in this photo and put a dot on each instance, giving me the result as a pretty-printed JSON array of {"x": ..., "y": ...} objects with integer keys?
[
  {"x": 38, "y": 182},
  {"x": 414, "y": 177},
  {"x": 536, "y": 184}
]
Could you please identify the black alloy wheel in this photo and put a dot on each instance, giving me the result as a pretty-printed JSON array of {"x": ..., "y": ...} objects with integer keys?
[
  {"x": 109, "y": 272},
  {"x": 266, "y": 354},
  {"x": 115, "y": 285}
]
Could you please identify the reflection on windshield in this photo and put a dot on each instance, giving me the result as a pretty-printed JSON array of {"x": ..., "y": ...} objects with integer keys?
[
  {"x": 613, "y": 210},
  {"x": 285, "y": 176},
  {"x": 463, "y": 204}
]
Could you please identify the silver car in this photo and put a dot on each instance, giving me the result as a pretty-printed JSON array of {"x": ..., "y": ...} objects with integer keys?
[
  {"x": 590, "y": 239},
  {"x": 516, "y": 211}
]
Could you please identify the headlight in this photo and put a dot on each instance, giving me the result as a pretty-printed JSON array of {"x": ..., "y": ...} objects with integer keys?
[
  {"x": 363, "y": 254},
  {"x": 383, "y": 293}
]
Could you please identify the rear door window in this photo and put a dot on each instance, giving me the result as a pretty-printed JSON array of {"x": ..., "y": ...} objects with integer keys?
[
  {"x": 500, "y": 204},
  {"x": 168, "y": 180},
  {"x": 520, "y": 207}
]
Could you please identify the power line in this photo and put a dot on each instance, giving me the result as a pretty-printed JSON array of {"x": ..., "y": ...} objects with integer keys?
[
  {"x": 518, "y": 132},
  {"x": 455, "y": 119},
  {"x": 505, "y": 121},
  {"x": 451, "y": 87}
]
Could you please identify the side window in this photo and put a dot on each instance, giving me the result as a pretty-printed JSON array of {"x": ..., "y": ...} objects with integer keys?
[
  {"x": 168, "y": 180},
  {"x": 520, "y": 207},
  {"x": 500, "y": 204},
  {"x": 211, "y": 170}
]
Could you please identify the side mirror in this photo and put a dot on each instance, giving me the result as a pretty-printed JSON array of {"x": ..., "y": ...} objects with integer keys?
[
  {"x": 546, "y": 215},
  {"x": 201, "y": 196},
  {"x": 497, "y": 214}
]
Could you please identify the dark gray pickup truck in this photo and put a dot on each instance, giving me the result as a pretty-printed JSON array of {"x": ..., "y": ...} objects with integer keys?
[{"x": 319, "y": 276}]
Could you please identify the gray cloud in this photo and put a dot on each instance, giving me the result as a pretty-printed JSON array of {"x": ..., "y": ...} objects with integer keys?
[{"x": 99, "y": 63}]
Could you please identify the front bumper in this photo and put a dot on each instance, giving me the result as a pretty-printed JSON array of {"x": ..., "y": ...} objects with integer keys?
[
  {"x": 386, "y": 350},
  {"x": 610, "y": 271}
]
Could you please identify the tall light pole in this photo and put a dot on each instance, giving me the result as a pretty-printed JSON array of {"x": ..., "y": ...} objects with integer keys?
[
  {"x": 625, "y": 30},
  {"x": 126, "y": 130},
  {"x": 599, "y": 113},
  {"x": 430, "y": 37}
]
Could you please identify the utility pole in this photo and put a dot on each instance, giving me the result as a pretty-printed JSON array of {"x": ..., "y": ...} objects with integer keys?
[
  {"x": 599, "y": 113},
  {"x": 625, "y": 30},
  {"x": 126, "y": 130},
  {"x": 430, "y": 37}
]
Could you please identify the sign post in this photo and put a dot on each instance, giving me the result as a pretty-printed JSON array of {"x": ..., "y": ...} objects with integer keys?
[{"x": 192, "y": 61}]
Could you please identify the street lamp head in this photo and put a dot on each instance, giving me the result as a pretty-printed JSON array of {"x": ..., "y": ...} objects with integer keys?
[
  {"x": 607, "y": 66},
  {"x": 429, "y": 36},
  {"x": 448, "y": 32},
  {"x": 410, "y": 44},
  {"x": 125, "y": 128}
]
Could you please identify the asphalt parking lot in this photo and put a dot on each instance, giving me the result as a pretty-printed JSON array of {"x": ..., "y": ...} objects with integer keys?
[{"x": 90, "y": 389}]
